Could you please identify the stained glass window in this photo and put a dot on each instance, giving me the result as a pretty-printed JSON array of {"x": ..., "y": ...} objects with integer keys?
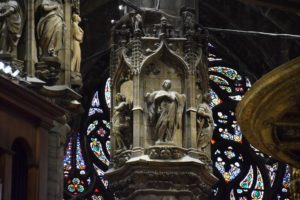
[
  {"x": 88, "y": 152},
  {"x": 244, "y": 172}
]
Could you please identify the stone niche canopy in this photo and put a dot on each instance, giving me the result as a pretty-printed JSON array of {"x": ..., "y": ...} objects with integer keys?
[{"x": 160, "y": 115}]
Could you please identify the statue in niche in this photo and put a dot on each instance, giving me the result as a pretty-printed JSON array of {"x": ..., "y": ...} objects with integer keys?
[
  {"x": 121, "y": 121},
  {"x": 50, "y": 28},
  {"x": 205, "y": 124},
  {"x": 137, "y": 23},
  {"x": 10, "y": 26},
  {"x": 188, "y": 18},
  {"x": 77, "y": 34},
  {"x": 165, "y": 109},
  {"x": 133, "y": 21}
]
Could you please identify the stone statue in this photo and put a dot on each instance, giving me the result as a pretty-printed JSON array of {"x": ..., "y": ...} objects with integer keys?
[
  {"x": 10, "y": 26},
  {"x": 188, "y": 18},
  {"x": 205, "y": 124},
  {"x": 165, "y": 109},
  {"x": 50, "y": 28},
  {"x": 121, "y": 120},
  {"x": 77, "y": 34}
]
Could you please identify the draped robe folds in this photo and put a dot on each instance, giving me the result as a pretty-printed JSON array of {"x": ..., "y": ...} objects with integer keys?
[
  {"x": 50, "y": 29},
  {"x": 165, "y": 113},
  {"x": 77, "y": 33},
  {"x": 121, "y": 124},
  {"x": 10, "y": 27}
]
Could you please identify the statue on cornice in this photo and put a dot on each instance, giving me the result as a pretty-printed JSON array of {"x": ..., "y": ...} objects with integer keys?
[
  {"x": 50, "y": 28},
  {"x": 205, "y": 124},
  {"x": 77, "y": 34},
  {"x": 121, "y": 121},
  {"x": 165, "y": 109},
  {"x": 10, "y": 26}
]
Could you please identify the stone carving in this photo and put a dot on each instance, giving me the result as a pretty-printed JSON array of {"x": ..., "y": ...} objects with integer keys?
[
  {"x": 164, "y": 28},
  {"x": 133, "y": 21},
  {"x": 137, "y": 23},
  {"x": 205, "y": 124},
  {"x": 10, "y": 26},
  {"x": 50, "y": 28},
  {"x": 188, "y": 17},
  {"x": 121, "y": 158},
  {"x": 172, "y": 182},
  {"x": 166, "y": 152},
  {"x": 77, "y": 34},
  {"x": 165, "y": 109},
  {"x": 121, "y": 120}
]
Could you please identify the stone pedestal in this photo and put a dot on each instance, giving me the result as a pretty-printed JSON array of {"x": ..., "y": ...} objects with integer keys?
[
  {"x": 143, "y": 178},
  {"x": 48, "y": 70},
  {"x": 76, "y": 80}
]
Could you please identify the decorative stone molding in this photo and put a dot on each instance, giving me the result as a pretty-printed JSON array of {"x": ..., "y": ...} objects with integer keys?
[{"x": 165, "y": 152}]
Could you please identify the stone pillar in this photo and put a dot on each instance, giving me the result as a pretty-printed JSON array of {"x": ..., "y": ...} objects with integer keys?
[
  {"x": 138, "y": 137},
  {"x": 66, "y": 63},
  {"x": 56, "y": 143},
  {"x": 191, "y": 132},
  {"x": 31, "y": 47}
]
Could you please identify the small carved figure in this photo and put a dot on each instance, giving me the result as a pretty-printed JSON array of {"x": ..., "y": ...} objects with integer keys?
[
  {"x": 10, "y": 26},
  {"x": 77, "y": 34},
  {"x": 165, "y": 109},
  {"x": 137, "y": 23},
  {"x": 188, "y": 17},
  {"x": 122, "y": 123},
  {"x": 205, "y": 124},
  {"x": 164, "y": 28},
  {"x": 50, "y": 28}
]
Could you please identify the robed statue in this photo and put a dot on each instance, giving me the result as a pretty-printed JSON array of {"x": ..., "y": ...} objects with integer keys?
[
  {"x": 122, "y": 123},
  {"x": 50, "y": 28},
  {"x": 165, "y": 110},
  {"x": 10, "y": 26},
  {"x": 205, "y": 125},
  {"x": 77, "y": 34}
]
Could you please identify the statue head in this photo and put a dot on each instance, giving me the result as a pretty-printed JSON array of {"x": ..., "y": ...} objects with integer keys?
[
  {"x": 120, "y": 98},
  {"x": 167, "y": 84},
  {"x": 206, "y": 98},
  {"x": 163, "y": 20},
  {"x": 76, "y": 18}
]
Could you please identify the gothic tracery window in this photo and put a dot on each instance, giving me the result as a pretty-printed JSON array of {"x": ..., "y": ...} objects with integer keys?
[
  {"x": 244, "y": 172},
  {"x": 88, "y": 151}
]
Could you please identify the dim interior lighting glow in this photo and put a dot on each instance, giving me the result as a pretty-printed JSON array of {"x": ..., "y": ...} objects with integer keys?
[
  {"x": 112, "y": 21},
  {"x": 16, "y": 73},
  {"x": 1, "y": 65},
  {"x": 121, "y": 7},
  {"x": 7, "y": 70}
]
